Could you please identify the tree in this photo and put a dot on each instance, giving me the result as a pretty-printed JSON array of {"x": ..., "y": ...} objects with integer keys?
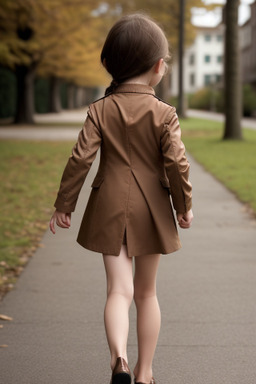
[
  {"x": 233, "y": 105},
  {"x": 79, "y": 66},
  {"x": 34, "y": 32},
  {"x": 181, "y": 105}
]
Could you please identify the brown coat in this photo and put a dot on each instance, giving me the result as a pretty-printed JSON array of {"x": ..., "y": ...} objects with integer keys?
[{"x": 142, "y": 162}]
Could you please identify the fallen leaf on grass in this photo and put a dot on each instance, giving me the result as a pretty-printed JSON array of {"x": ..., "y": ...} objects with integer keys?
[
  {"x": 6, "y": 318},
  {"x": 4, "y": 264}
]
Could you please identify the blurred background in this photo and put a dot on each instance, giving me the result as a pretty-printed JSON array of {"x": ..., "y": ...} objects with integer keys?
[{"x": 49, "y": 53}]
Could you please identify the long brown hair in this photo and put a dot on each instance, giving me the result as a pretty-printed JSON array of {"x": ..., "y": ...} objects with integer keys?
[{"x": 133, "y": 45}]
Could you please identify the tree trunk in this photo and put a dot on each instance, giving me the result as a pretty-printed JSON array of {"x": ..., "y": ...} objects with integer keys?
[
  {"x": 55, "y": 101},
  {"x": 181, "y": 101},
  {"x": 25, "y": 95},
  {"x": 162, "y": 89},
  {"x": 71, "y": 96},
  {"x": 90, "y": 95},
  {"x": 80, "y": 97},
  {"x": 233, "y": 104}
]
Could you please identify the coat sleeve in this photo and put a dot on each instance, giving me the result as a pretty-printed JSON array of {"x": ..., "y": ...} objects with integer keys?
[
  {"x": 176, "y": 164},
  {"x": 78, "y": 166}
]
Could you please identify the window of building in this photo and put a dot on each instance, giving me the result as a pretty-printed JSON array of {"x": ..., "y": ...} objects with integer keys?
[
  {"x": 218, "y": 79},
  {"x": 192, "y": 79},
  {"x": 192, "y": 59},
  {"x": 219, "y": 59},
  {"x": 207, "y": 37},
  {"x": 246, "y": 36},
  {"x": 212, "y": 79},
  {"x": 219, "y": 37},
  {"x": 207, "y": 79},
  {"x": 207, "y": 58}
]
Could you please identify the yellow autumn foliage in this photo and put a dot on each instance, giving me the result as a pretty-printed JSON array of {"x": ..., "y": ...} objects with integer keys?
[{"x": 63, "y": 38}]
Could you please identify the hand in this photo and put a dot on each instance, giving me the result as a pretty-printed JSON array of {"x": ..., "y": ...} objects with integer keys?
[
  {"x": 185, "y": 219},
  {"x": 62, "y": 219}
]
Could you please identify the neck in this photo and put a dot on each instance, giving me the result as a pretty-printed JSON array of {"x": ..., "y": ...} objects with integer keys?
[{"x": 144, "y": 79}]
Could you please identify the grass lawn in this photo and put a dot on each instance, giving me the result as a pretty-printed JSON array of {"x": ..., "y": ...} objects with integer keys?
[
  {"x": 230, "y": 161},
  {"x": 30, "y": 174}
]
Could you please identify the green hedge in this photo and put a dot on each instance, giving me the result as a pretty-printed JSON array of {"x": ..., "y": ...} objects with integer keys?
[
  {"x": 64, "y": 95},
  {"x": 42, "y": 89},
  {"x": 207, "y": 99},
  {"x": 249, "y": 100},
  {"x": 213, "y": 100},
  {"x": 42, "y": 94},
  {"x": 7, "y": 93}
]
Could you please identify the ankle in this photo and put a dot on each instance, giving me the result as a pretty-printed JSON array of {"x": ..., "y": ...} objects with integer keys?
[
  {"x": 114, "y": 360},
  {"x": 143, "y": 376}
]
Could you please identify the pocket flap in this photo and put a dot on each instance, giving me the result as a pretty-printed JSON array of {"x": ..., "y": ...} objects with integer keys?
[
  {"x": 165, "y": 182},
  {"x": 97, "y": 181}
]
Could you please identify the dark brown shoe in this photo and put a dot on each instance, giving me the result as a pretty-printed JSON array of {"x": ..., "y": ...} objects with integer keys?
[{"x": 121, "y": 373}]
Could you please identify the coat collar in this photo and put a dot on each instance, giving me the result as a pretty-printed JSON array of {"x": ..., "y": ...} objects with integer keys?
[{"x": 134, "y": 88}]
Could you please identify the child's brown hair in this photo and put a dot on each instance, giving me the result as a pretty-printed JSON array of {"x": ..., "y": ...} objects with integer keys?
[{"x": 133, "y": 45}]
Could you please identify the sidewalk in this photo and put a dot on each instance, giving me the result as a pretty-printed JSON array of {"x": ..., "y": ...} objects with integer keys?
[
  {"x": 206, "y": 293},
  {"x": 246, "y": 122},
  {"x": 48, "y": 133}
]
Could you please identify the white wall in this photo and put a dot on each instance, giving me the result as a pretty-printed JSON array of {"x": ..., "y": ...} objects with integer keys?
[{"x": 199, "y": 69}]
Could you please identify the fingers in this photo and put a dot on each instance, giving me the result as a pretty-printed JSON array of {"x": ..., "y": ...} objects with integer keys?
[
  {"x": 52, "y": 226},
  {"x": 63, "y": 220},
  {"x": 184, "y": 224},
  {"x": 185, "y": 219},
  {"x": 179, "y": 217},
  {"x": 68, "y": 219}
]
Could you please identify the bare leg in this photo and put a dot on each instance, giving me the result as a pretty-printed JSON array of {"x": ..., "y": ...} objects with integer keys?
[
  {"x": 119, "y": 297},
  {"x": 148, "y": 314}
]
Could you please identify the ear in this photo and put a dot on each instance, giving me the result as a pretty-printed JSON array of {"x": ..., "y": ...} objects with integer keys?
[{"x": 158, "y": 66}]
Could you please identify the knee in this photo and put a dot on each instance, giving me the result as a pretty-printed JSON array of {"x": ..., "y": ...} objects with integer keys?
[
  {"x": 126, "y": 291},
  {"x": 141, "y": 294}
]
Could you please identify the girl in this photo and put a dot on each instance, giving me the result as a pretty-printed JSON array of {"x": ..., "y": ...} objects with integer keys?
[{"x": 129, "y": 213}]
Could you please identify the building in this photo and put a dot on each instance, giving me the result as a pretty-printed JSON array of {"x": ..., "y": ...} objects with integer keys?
[
  {"x": 203, "y": 61},
  {"x": 248, "y": 48}
]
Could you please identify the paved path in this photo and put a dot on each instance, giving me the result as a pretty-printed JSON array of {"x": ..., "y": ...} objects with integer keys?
[
  {"x": 74, "y": 118},
  {"x": 206, "y": 292},
  {"x": 40, "y": 134},
  {"x": 246, "y": 122},
  {"x": 65, "y": 116}
]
